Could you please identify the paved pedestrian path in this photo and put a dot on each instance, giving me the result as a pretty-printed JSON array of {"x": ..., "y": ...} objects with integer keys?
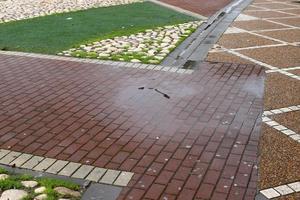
[
  {"x": 184, "y": 136},
  {"x": 268, "y": 33},
  {"x": 201, "y": 7}
]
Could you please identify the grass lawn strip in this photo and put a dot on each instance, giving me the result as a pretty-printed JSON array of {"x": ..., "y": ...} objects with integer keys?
[
  {"x": 150, "y": 46},
  {"x": 28, "y": 187},
  {"x": 12, "y": 10},
  {"x": 59, "y": 32}
]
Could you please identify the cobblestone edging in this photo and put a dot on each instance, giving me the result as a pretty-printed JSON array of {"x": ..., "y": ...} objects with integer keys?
[
  {"x": 150, "y": 46},
  {"x": 103, "y": 62},
  {"x": 281, "y": 110},
  {"x": 281, "y": 190},
  {"x": 13, "y": 10},
  {"x": 65, "y": 168}
]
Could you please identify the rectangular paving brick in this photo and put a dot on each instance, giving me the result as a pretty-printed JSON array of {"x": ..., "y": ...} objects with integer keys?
[
  {"x": 32, "y": 162},
  {"x": 69, "y": 169},
  {"x": 9, "y": 157},
  {"x": 109, "y": 176},
  {"x": 96, "y": 174},
  {"x": 121, "y": 119},
  {"x": 45, "y": 164},
  {"x": 18, "y": 162},
  {"x": 123, "y": 179},
  {"x": 57, "y": 166},
  {"x": 83, "y": 171}
]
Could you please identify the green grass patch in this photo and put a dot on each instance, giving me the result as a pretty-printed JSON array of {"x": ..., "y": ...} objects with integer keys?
[{"x": 54, "y": 33}]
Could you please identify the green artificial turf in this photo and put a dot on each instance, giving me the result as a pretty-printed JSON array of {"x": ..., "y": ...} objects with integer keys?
[{"x": 55, "y": 33}]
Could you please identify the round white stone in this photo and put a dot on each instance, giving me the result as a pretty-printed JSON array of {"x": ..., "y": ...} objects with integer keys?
[
  {"x": 40, "y": 190},
  {"x": 67, "y": 191},
  {"x": 3, "y": 176},
  {"x": 29, "y": 184},
  {"x": 13, "y": 194},
  {"x": 41, "y": 197}
]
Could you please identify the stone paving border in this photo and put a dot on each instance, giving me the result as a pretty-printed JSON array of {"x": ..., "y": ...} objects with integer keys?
[
  {"x": 103, "y": 62},
  {"x": 290, "y": 133},
  {"x": 261, "y": 63},
  {"x": 65, "y": 168},
  {"x": 281, "y": 110},
  {"x": 281, "y": 190}
]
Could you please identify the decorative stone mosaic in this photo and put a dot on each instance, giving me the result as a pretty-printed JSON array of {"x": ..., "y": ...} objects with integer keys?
[
  {"x": 11, "y": 10},
  {"x": 150, "y": 46}
]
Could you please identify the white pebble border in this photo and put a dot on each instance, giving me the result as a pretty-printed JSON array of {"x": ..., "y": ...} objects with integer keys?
[
  {"x": 286, "y": 131},
  {"x": 102, "y": 62},
  {"x": 281, "y": 110},
  {"x": 150, "y": 46},
  {"x": 65, "y": 168},
  {"x": 12, "y": 10},
  {"x": 281, "y": 190}
]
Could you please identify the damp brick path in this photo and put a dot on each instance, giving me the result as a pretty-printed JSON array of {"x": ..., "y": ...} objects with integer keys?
[
  {"x": 200, "y": 143},
  {"x": 202, "y": 7}
]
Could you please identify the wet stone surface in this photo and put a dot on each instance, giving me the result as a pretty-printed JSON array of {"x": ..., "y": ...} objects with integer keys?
[{"x": 205, "y": 134}]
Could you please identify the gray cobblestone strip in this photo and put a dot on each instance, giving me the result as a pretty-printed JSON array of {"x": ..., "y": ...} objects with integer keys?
[
  {"x": 281, "y": 190},
  {"x": 102, "y": 62},
  {"x": 65, "y": 168}
]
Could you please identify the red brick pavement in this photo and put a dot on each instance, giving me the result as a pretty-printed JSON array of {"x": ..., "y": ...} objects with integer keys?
[
  {"x": 203, "y": 7},
  {"x": 201, "y": 143}
]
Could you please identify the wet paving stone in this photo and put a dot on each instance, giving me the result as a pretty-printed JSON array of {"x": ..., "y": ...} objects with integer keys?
[
  {"x": 281, "y": 57},
  {"x": 139, "y": 130},
  {"x": 295, "y": 21},
  {"x": 291, "y": 35},
  {"x": 242, "y": 40},
  {"x": 267, "y": 14},
  {"x": 254, "y": 25},
  {"x": 226, "y": 57}
]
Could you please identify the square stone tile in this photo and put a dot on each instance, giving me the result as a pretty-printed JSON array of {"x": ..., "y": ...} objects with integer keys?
[
  {"x": 292, "y": 11},
  {"x": 226, "y": 57},
  {"x": 291, "y": 120},
  {"x": 291, "y": 35},
  {"x": 254, "y": 25},
  {"x": 241, "y": 40},
  {"x": 279, "y": 159},
  {"x": 270, "y": 193},
  {"x": 267, "y": 14},
  {"x": 273, "y": 5},
  {"x": 296, "y": 72},
  {"x": 253, "y": 8},
  {"x": 295, "y": 186},
  {"x": 284, "y": 190},
  {"x": 281, "y": 91},
  {"x": 295, "y": 21},
  {"x": 243, "y": 17},
  {"x": 281, "y": 57},
  {"x": 234, "y": 30}
]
